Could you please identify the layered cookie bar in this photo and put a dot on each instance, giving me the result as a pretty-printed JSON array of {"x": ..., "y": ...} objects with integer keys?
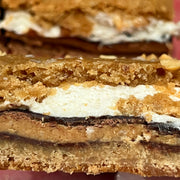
[
  {"x": 87, "y": 27},
  {"x": 92, "y": 115}
]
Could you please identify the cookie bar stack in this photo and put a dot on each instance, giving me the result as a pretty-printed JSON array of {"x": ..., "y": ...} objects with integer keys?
[{"x": 76, "y": 110}]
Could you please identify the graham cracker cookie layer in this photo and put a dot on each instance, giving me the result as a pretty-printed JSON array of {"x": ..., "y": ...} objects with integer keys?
[
  {"x": 93, "y": 158},
  {"x": 29, "y": 70}
]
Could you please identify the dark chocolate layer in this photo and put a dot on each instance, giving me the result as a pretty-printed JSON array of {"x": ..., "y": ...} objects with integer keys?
[
  {"x": 164, "y": 128},
  {"x": 72, "y": 45},
  {"x": 151, "y": 145},
  {"x": 2, "y": 13},
  {"x": 81, "y": 121},
  {"x": 161, "y": 128}
]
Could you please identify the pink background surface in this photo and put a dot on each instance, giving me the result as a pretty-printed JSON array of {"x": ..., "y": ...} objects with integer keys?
[
  {"x": 177, "y": 17},
  {"x": 17, "y": 175}
]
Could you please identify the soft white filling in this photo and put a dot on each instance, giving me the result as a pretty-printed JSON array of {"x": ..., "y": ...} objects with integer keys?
[
  {"x": 104, "y": 30},
  {"x": 21, "y": 22},
  {"x": 83, "y": 101},
  {"x": 171, "y": 121}
]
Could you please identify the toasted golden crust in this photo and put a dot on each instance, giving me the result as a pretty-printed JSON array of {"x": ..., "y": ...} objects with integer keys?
[
  {"x": 161, "y": 8},
  {"x": 106, "y": 70}
]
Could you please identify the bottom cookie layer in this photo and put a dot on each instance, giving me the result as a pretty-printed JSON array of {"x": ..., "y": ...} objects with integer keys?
[{"x": 92, "y": 158}]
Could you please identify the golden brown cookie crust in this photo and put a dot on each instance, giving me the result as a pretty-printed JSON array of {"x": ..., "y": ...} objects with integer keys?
[
  {"x": 162, "y": 8},
  {"x": 27, "y": 71},
  {"x": 91, "y": 158}
]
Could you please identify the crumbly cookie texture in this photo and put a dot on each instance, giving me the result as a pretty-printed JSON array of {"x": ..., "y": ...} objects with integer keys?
[
  {"x": 159, "y": 103},
  {"x": 74, "y": 15},
  {"x": 119, "y": 71},
  {"x": 92, "y": 158},
  {"x": 161, "y": 8}
]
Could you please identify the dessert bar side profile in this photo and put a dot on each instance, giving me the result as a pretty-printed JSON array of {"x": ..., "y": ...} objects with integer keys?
[{"x": 90, "y": 115}]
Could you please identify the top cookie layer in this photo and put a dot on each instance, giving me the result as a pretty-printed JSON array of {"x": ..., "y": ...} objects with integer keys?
[
  {"x": 106, "y": 70},
  {"x": 163, "y": 8}
]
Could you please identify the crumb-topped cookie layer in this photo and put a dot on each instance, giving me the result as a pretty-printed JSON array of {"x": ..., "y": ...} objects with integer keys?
[
  {"x": 161, "y": 8},
  {"x": 108, "y": 70}
]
